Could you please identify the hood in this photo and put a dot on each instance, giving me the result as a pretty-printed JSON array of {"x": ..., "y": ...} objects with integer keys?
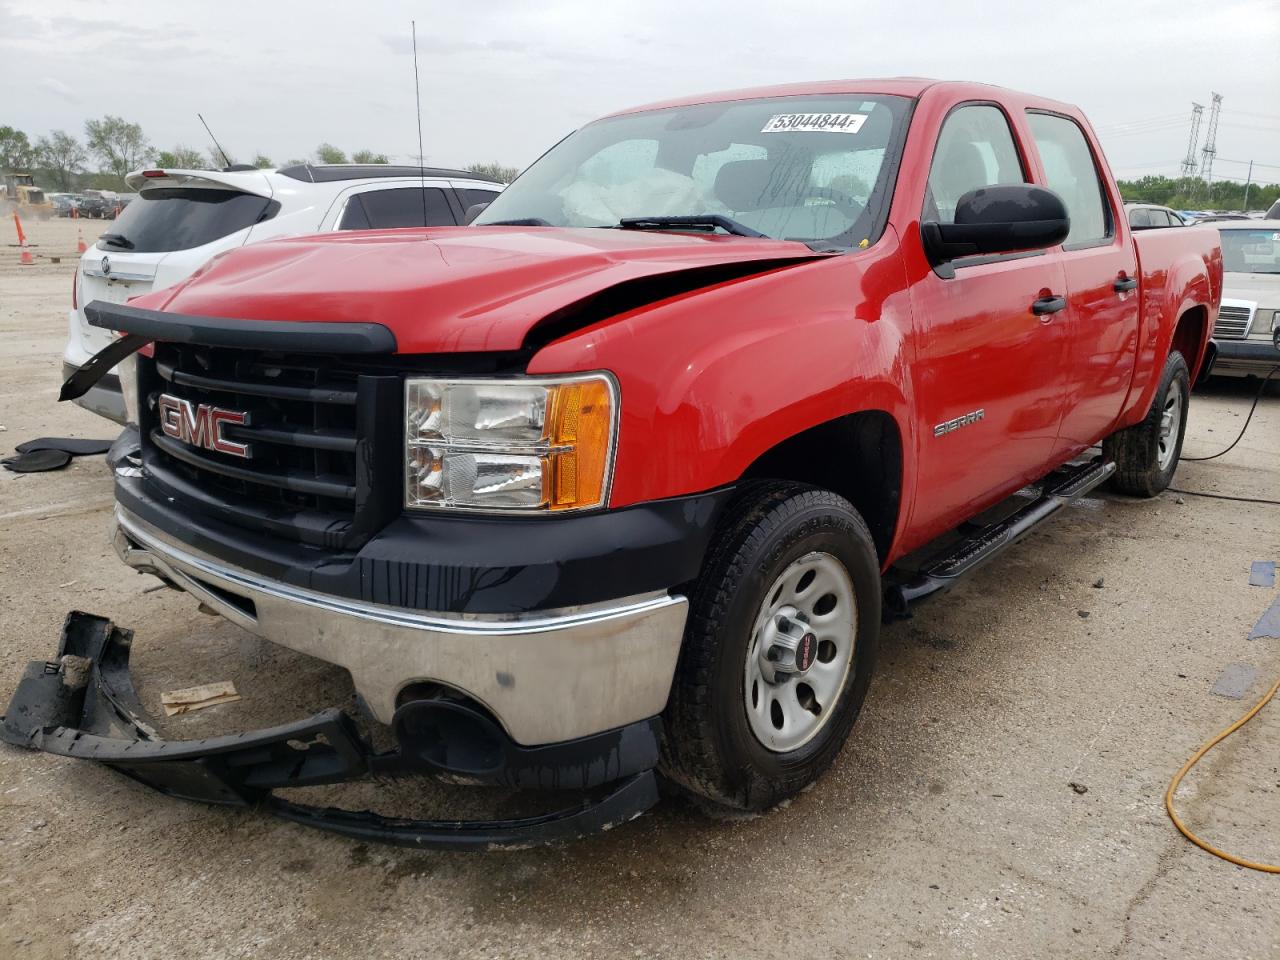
[
  {"x": 1262, "y": 289},
  {"x": 461, "y": 289}
]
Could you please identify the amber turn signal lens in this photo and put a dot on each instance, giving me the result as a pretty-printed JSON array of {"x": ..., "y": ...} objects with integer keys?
[{"x": 580, "y": 434}]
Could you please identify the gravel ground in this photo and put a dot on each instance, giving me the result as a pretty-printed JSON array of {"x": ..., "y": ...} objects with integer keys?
[{"x": 949, "y": 827}]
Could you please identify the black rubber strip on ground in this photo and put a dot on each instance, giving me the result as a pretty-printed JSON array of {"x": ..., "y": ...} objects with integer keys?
[
  {"x": 52, "y": 453},
  {"x": 76, "y": 446},
  {"x": 37, "y": 461}
]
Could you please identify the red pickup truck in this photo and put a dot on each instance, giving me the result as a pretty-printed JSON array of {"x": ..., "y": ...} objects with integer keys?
[{"x": 621, "y": 480}]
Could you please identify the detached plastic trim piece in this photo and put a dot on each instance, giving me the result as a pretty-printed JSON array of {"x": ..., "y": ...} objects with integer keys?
[
  {"x": 83, "y": 705},
  {"x": 289, "y": 336},
  {"x": 628, "y": 800}
]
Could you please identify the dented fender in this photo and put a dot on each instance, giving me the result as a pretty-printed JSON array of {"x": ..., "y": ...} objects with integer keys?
[{"x": 712, "y": 380}]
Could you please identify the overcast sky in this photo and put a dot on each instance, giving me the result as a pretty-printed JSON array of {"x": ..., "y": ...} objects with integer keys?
[{"x": 502, "y": 80}]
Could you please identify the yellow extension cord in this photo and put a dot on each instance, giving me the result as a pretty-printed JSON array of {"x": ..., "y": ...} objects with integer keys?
[{"x": 1186, "y": 767}]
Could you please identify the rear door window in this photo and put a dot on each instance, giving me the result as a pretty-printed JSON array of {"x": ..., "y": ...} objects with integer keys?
[
  {"x": 182, "y": 218},
  {"x": 1140, "y": 218},
  {"x": 397, "y": 207},
  {"x": 1072, "y": 175}
]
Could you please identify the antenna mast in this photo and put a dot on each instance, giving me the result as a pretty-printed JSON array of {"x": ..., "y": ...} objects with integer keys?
[
  {"x": 417, "y": 101},
  {"x": 1189, "y": 162},
  {"x": 226, "y": 161}
]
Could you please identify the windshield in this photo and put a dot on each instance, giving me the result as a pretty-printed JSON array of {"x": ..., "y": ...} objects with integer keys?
[
  {"x": 1251, "y": 251},
  {"x": 817, "y": 170}
]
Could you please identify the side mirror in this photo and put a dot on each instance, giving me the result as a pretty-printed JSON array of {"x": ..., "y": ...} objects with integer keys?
[
  {"x": 474, "y": 211},
  {"x": 1002, "y": 219}
]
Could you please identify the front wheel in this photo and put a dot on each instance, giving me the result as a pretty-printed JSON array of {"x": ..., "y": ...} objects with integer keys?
[
  {"x": 1147, "y": 453},
  {"x": 779, "y": 649}
]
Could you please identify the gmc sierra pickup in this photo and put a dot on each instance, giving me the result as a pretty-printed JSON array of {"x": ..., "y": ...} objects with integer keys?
[{"x": 620, "y": 481}]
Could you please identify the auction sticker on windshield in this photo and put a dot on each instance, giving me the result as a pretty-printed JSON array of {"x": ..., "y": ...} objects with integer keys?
[{"x": 815, "y": 123}]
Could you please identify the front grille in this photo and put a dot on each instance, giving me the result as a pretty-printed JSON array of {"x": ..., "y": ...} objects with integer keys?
[
  {"x": 323, "y": 438},
  {"x": 1233, "y": 322}
]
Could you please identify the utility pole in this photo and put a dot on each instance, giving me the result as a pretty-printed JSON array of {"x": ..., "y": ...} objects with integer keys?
[
  {"x": 1210, "y": 148},
  {"x": 1189, "y": 162},
  {"x": 1244, "y": 206}
]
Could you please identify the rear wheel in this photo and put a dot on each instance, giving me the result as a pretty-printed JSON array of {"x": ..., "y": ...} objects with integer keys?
[
  {"x": 1146, "y": 454},
  {"x": 779, "y": 649}
]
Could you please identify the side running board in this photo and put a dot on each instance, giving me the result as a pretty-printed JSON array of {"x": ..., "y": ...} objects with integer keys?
[{"x": 1060, "y": 488}]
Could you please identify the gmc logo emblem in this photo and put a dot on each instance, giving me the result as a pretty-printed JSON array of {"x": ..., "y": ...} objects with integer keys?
[{"x": 201, "y": 426}]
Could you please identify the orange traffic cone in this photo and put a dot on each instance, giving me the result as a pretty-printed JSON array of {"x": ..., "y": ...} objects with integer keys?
[
  {"x": 26, "y": 259},
  {"x": 80, "y": 244}
]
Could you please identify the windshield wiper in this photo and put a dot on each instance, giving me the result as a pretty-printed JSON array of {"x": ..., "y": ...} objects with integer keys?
[
  {"x": 117, "y": 240},
  {"x": 727, "y": 224}
]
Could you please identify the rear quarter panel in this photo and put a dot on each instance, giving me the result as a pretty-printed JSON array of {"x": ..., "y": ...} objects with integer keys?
[
  {"x": 710, "y": 381},
  {"x": 1179, "y": 270}
]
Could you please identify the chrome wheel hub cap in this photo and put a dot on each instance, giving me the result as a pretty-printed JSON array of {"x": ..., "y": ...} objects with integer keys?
[
  {"x": 801, "y": 652},
  {"x": 1170, "y": 424}
]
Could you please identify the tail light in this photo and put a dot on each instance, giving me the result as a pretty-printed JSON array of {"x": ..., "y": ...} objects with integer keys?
[{"x": 75, "y": 288}]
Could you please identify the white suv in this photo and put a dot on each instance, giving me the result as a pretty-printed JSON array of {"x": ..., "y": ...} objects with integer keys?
[{"x": 181, "y": 218}]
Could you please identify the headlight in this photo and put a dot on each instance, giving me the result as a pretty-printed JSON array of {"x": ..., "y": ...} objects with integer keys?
[{"x": 522, "y": 445}]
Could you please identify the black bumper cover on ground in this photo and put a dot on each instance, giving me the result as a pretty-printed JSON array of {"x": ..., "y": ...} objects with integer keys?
[{"x": 83, "y": 705}]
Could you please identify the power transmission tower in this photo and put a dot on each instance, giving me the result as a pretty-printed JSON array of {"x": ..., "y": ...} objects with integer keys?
[
  {"x": 1189, "y": 163},
  {"x": 1210, "y": 148}
]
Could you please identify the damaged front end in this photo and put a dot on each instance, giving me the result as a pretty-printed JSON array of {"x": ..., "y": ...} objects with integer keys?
[{"x": 82, "y": 704}]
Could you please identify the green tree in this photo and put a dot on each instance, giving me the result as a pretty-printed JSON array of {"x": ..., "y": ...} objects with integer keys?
[
  {"x": 15, "y": 149},
  {"x": 328, "y": 153},
  {"x": 118, "y": 144},
  {"x": 262, "y": 161},
  {"x": 368, "y": 156},
  {"x": 180, "y": 158},
  {"x": 99, "y": 181},
  {"x": 496, "y": 170},
  {"x": 1183, "y": 193},
  {"x": 63, "y": 156}
]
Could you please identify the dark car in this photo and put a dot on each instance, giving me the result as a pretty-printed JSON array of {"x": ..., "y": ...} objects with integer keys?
[{"x": 98, "y": 208}]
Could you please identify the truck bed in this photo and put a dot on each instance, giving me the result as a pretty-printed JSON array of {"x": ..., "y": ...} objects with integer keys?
[{"x": 1178, "y": 268}]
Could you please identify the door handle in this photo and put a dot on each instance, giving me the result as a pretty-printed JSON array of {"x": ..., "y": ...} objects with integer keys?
[
  {"x": 1047, "y": 305},
  {"x": 1125, "y": 284}
]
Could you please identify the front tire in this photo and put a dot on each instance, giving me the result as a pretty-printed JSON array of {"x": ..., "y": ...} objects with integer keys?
[
  {"x": 779, "y": 648},
  {"x": 1146, "y": 454}
]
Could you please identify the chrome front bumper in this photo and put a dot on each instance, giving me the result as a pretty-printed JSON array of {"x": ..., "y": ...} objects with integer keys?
[{"x": 547, "y": 676}]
